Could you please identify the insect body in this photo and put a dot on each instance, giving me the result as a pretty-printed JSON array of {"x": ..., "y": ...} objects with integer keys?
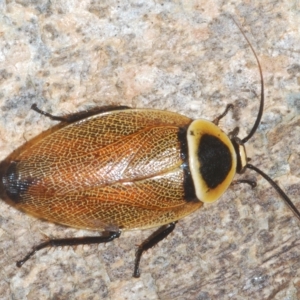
[{"x": 115, "y": 168}]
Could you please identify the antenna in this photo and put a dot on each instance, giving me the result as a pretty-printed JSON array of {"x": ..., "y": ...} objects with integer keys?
[{"x": 281, "y": 193}]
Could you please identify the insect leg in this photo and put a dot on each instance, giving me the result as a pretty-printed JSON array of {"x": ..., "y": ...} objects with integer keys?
[
  {"x": 252, "y": 183},
  {"x": 71, "y": 242},
  {"x": 79, "y": 115},
  {"x": 151, "y": 241},
  {"x": 217, "y": 119},
  {"x": 234, "y": 133}
]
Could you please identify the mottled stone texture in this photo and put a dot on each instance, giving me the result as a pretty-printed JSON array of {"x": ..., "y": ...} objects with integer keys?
[{"x": 185, "y": 56}]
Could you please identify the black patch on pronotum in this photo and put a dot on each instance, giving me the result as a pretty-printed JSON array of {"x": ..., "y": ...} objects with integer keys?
[
  {"x": 215, "y": 160},
  {"x": 188, "y": 184}
]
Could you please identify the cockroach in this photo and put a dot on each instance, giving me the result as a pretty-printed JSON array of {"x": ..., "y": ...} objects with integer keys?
[{"x": 115, "y": 168}]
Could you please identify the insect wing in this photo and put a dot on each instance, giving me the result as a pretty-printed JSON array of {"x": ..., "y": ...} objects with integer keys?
[{"x": 120, "y": 169}]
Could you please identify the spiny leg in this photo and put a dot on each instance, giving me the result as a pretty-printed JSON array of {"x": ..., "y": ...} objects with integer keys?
[
  {"x": 107, "y": 237},
  {"x": 233, "y": 134},
  {"x": 217, "y": 119},
  {"x": 78, "y": 115},
  {"x": 252, "y": 183},
  {"x": 151, "y": 241}
]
